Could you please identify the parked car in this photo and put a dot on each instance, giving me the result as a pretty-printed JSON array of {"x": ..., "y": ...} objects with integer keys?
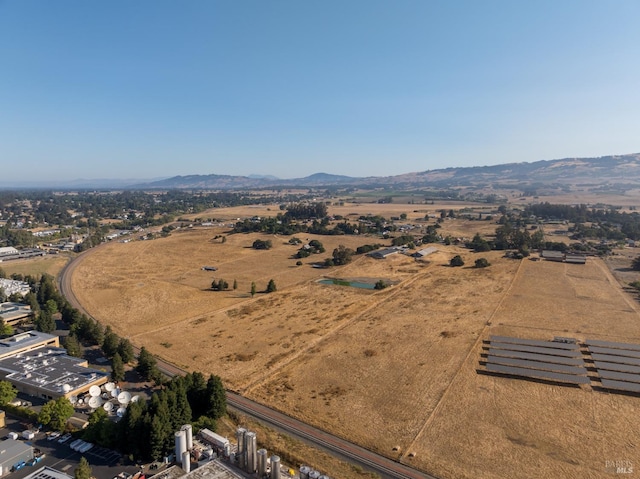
[
  {"x": 28, "y": 434},
  {"x": 12, "y": 435},
  {"x": 85, "y": 447},
  {"x": 75, "y": 444},
  {"x": 64, "y": 438},
  {"x": 52, "y": 436},
  {"x": 18, "y": 465}
]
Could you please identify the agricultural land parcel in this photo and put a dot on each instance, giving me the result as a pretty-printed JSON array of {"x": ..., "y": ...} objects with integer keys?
[{"x": 389, "y": 369}]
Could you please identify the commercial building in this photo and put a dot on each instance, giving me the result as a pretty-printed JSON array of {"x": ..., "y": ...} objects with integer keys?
[
  {"x": 12, "y": 313},
  {"x": 48, "y": 473},
  {"x": 12, "y": 454}
]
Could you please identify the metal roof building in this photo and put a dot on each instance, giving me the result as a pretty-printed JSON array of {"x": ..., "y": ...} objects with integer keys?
[
  {"x": 48, "y": 473},
  {"x": 23, "y": 342},
  {"x": 12, "y": 452}
]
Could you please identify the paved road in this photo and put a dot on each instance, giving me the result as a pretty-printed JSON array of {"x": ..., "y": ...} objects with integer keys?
[{"x": 355, "y": 454}]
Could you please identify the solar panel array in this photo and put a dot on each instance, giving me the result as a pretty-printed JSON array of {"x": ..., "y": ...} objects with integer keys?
[
  {"x": 617, "y": 364},
  {"x": 534, "y": 359}
]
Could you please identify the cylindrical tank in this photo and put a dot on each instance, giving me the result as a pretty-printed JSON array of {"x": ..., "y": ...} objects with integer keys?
[
  {"x": 181, "y": 444},
  {"x": 240, "y": 438},
  {"x": 304, "y": 472},
  {"x": 324, "y": 477},
  {"x": 186, "y": 462},
  {"x": 313, "y": 474},
  {"x": 227, "y": 449},
  {"x": 251, "y": 446},
  {"x": 262, "y": 462},
  {"x": 189, "y": 434},
  {"x": 275, "y": 467}
]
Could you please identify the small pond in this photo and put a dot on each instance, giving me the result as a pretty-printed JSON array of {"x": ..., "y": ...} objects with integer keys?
[{"x": 343, "y": 282}]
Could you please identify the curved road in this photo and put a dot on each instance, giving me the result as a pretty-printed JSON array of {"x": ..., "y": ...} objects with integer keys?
[{"x": 385, "y": 467}]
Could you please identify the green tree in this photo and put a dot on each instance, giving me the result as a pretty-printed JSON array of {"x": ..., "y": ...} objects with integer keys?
[
  {"x": 56, "y": 413},
  {"x": 51, "y": 306},
  {"x": 83, "y": 471},
  {"x": 8, "y": 392},
  {"x": 110, "y": 343},
  {"x": 235, "y": 284},
  {"x": 456, "y": 261},
  {"x": 253, "y": 289},
  {"x": 482, "y": 263},
  {"x": 73, "y": 346},
  {"x": 148, "y": 366},
  {"x": 5, "y": 329},
  {"x": 271, "y": 286},
  {"x": 44, "y": 322},
  {"x": 117, "y": 368},
  {"x": 217, "y": 398},
  {"x": 125, "y": 350},
  {"x": 479, "y": 244},
  {"x": 342, "y": 255},
  {"x": 380, "y": 284},
  {"x": 635, "y": 264}
]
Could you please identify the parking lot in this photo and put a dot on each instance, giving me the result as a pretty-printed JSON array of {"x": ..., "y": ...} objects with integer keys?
[{"x": 105, "y": 463}]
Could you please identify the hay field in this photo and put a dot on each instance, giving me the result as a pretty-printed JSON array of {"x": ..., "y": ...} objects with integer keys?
[
  {"x": 393, "y": 370},
  {"x": 50, "y": 264}
]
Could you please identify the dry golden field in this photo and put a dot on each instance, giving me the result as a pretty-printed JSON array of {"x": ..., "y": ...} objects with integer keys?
[
  {"x": 50, "y": 264},
  {"x": 393, "y": 370}
]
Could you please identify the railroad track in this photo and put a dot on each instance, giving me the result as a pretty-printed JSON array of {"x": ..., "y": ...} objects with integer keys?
[{"x": 383, "y": 466}]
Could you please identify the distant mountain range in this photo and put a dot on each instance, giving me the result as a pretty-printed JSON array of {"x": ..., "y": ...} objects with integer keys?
[
  {"x": 606, "y": 170},
  {"x": 623, "y": 169}
]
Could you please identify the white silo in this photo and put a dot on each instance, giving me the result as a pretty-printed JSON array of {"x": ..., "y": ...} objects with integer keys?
[
  {"x": 181, "y": 444},
  {"x": 189, "y": 435},
  {"x": 251, "y": 451},
  {"x": 262, "y": 462},
  {"x": 275, "y": 467},
  {"x": 304, "y": 472},
  {"x": 186, "y": 461},
  {"x": 240, "y": 438}
]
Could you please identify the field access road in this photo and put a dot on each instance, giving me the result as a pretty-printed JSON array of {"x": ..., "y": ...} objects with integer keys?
[{"x": 345, "y": 450}]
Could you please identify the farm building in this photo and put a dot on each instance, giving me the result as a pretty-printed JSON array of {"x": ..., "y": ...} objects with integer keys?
[
  {"x": 575, "y": 258},
  {"x": 383, "y": 253},
  {"x": 550, "y": 255},
  {"x": 8, "y": 251},
  {"x": 425, "y": 252},
  {"x": 12, "y": 313}
]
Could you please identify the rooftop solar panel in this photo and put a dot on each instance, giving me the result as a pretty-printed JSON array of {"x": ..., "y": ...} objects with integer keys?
[
  {"x": 536, "y": 357},
  {"x": 621, "y": 385},
  {"x": 615, "y": 359},
  {"x": 534, "y": 349},
  {"x": 523, "y": 363},
  {"x": 533, "y": 342},
  {"x": 615, "y": 352},
  {"x": 625, "y": 368},
  {"x": 632, "y": 378},
  {"x": 613, "y": 345},
  {"x": 537, "y": 374}
]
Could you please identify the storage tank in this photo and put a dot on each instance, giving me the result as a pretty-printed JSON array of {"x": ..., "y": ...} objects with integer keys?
[
  {"x": 189, "y": 434},
  {"x": 324, "y": 477},
  {"x": 240, "y": 438},
  {"x": 304, "y": 472},
  {"x": 262, "y": 462},
  {"x": 313, "y": 474},
  {"x": 251, "y": 451},
  {"x": 186, "y": 462},
  {"x": 275, "y": 467},
  {"x": 181, "y": 444}
]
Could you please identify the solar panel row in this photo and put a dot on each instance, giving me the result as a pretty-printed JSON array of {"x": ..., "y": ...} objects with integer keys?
[
  {"x": 617, "y": 367},
  {"x": 613, "y": 345},
  {"x": 621, "y": 385},
  {"x": 615, "y": 352},
  {"x": 535, "y": 349},
  {"x": 536, "y": 357},
  {"x": 533, "y": 342},
  {"x": 537, "y": 374},
  {"x": 523, "y": 363},
  {"x": 615, "y": 359},
  {"x": 632, "y": 378}
]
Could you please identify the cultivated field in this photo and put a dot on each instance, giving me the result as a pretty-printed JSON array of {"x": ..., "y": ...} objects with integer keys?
[{"x": 394, "y": 370}]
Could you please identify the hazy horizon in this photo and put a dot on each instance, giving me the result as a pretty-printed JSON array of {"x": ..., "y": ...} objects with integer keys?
[{"x": 156, "y": 89}]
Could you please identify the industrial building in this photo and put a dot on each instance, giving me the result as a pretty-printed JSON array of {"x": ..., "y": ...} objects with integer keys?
[
  {"x": 12, "y": 453},
  {"x": 8, "y": 251},
  {"x": 13, "y": 286},
  {"x": 48, "y": 473},
  {"x": 13, "y": 313},
  {"x": 49, "y": 373}
]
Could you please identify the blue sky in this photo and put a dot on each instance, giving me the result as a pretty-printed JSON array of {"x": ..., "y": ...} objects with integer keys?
[{"x": 146, "y": 89}]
